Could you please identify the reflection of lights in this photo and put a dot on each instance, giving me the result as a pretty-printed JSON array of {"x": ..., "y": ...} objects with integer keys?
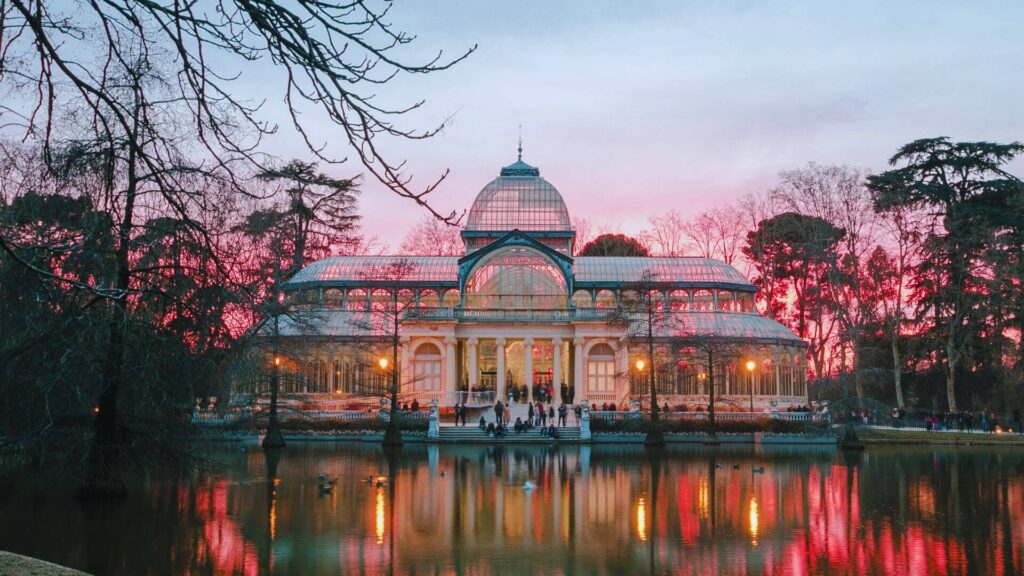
[
  {"x": 641, "y": 519},
  {"x": 702, "y": 497},
  {"x": 273, "y": 509},
  {"x": 380, "y": 516},
  {"x": 753, "y": 520}
]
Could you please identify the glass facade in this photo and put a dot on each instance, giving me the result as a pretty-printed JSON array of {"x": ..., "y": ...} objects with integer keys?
[{"x": 517, "y": 309}]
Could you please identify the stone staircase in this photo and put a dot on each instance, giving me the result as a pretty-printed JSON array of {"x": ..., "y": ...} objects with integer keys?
[{"x": 473, "y": 434}]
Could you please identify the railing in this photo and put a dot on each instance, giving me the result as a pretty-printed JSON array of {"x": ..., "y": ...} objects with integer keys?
[
  {"x": 699, "y": 416},
  {"x": 481, "y": 398},
  {"x": 616, "y": 415},
  {"x": 740, "y": 416},
  {"x": 514, "y": 314}
]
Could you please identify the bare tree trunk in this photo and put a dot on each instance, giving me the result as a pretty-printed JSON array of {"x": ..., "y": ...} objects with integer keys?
[
  {"x": 274, "y": 439},
  {"x": 712, "y": 434},
  {"x": 951, "y": 376},
  {"x": 897, "y": 372},
  {"x": 393, "y": 433},
  {"x": 655, "y": 436}
]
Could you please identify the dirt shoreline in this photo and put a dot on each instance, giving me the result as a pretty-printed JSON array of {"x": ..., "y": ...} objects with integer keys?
[{"x": 17, "y": 565}]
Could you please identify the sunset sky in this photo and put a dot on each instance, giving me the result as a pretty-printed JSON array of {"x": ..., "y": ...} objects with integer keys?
[{"x": 631, "y": 108}]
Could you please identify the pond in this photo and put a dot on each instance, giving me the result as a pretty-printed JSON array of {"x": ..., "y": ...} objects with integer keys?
[{"x": 586, "y": 510}]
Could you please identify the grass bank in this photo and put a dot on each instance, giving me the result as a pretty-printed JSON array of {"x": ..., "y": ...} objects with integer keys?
[{"x": 917, "y": 437}]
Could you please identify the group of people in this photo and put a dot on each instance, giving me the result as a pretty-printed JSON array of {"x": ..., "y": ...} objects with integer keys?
[
  {"x": 961, "y": 421},
  {"x": 542, "y": 392},
  {"x": 407, "y": 407}
]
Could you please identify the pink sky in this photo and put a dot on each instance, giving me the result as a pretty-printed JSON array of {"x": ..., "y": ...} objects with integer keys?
[{"x": 634, "y": 108}]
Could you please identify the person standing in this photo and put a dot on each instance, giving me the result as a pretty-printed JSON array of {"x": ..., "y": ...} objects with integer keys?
[
  {"x": 498, "y": 411},
  {"x": 507, "y": 416},
  {"x": 562, "y": 411},
  {"x": 458, "y": 413},
  {"x": 551, "y": 413},
  {"x": 542, "y": 417},
  {"x": 529, "y": 415}
]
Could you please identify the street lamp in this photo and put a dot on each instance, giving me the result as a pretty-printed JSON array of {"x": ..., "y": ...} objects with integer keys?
[
  {"x": 640, "y": 364},
  {"x": 383, "y": 363},
  {"x": 751, "y": 365}
]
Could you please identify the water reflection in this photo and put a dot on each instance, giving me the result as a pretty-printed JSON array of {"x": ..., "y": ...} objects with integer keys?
[{"x": 613, "y": 510}]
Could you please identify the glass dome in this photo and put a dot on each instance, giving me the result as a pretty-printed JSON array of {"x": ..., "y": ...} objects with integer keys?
[{"x": 519, "y": 199}]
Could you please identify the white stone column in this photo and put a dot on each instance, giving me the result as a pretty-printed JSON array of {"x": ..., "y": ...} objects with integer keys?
[
  {"x": 405, "y": 372},
  {"x": 778, "y": 373},
  {"x": 528, "y": 368},
  {"x": 331, "y": 380},
  {"x": 577, "y": 376},
  {"x": 499, "y": 386},
  {"x": 474, "y": 373},
  {"x": 449, "y": 364},
  {"x": 556, "y": 369}
]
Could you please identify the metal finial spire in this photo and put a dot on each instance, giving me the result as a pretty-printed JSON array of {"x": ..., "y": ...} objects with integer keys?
[{"x": 520, "y": 142}]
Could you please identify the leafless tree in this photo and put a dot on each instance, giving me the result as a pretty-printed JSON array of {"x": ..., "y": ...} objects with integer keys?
[
  {"x": 584, "y": 232},
  {"x": 666, "y": 235},
  {"x": 642, "y": 314},
  {"x": 325, "y": 56},
  {"x": 383, "y": 320},
  {"x": 432, "y": 237},
  {"x": 838, "y": 197}
]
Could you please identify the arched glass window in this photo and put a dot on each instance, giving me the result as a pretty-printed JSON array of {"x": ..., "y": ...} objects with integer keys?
[
  {"x": 516, "y": 277},
  {"x": 786, "y": 375},
  {"x": 601, "y": 368},
  {"x": 406, "y": 298},
  {"x": 451, "y": 298},
  {"x": 726, "y": 300},
  {"x": 428, "y": 299},
  {"x": 703, "y": 301},
  {"x": 427, "y": 368},
  {"x": 582, "y": 299},
  {"x": 332, "y": 298},
  {"x": 679, "y": 300},
  {"x": 606, "y": 299},
  {"x": 381, "y": 300},
  {"x": 357, "y": 299},
  {"x": 745, "y": 302}
]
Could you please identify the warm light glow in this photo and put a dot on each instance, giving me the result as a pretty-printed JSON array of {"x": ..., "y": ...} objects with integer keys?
[
  {"x": 640, "y": 364},
  {"x": 702, "y": 497},
  {"x": 641, "y": 519},
  {"x": 273, "y": 509},
  {"x": 96, "y": 410},
  {"x": 380, "y": 515},
  {"x": 701, "y": 376},
  {"x": 751, "y": 365},
  {"x": 753, "y": 520},
  {"x": 277, "y": 361},
  {"x": 383, "y": 363}
]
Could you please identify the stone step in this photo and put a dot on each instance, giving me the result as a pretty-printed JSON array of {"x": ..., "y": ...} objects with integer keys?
[{"x": 474, "y": 434}]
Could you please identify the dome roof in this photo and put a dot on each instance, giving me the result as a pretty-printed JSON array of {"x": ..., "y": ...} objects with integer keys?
[{"x": 519, "y": 199}]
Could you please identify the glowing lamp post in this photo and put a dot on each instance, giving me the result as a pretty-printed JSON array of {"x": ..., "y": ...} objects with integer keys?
[
  {"x": 751, "y": 365},
  {"x": 383, "y": 363}
]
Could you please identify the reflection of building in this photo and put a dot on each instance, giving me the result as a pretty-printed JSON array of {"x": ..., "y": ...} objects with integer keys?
[{"x": 518, "y": 311}]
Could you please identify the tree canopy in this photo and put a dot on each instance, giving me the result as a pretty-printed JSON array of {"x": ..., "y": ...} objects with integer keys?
[{"x": 614, "y": 245}]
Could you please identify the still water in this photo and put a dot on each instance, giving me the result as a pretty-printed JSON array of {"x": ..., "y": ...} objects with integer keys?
[{"x": 593, "y": 510}]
